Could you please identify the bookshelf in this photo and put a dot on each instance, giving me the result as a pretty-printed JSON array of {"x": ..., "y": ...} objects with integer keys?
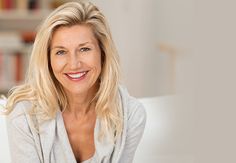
[{"x": 19, "y": 20}]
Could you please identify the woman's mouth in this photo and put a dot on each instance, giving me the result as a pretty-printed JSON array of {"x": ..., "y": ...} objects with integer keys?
[{"x": 76, "y": 76}]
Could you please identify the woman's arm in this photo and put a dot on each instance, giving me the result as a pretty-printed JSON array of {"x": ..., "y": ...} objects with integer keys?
[
  {"x": 135, "y": 129},
  {"x": 21, "y": 140}
]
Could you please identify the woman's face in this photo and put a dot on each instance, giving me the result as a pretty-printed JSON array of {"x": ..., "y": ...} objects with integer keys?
[{"x": 75, "y": 58}]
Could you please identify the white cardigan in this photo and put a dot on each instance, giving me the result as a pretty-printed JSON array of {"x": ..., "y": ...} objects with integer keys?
[{"x": 51, "y": 144}]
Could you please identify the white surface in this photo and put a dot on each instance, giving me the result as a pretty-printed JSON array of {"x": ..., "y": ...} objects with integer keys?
[
  {"x": 4, "y": 150},
  {"x": 168, "y": 136}
]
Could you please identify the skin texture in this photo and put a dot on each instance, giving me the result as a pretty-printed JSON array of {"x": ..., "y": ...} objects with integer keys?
[{"x": 75, "y": 50}]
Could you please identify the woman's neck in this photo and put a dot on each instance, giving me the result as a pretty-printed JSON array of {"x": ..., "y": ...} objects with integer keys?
[{"x": 81, "y": 103}]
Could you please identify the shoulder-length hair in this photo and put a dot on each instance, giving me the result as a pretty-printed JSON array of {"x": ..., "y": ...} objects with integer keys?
[{"x": 43, "y": 90}]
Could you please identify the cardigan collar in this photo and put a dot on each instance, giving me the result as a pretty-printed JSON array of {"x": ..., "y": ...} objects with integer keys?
[{"x": 104, "y": 149}]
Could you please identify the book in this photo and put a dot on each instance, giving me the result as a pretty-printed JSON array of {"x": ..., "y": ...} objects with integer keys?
[
  {"x": 1, "y": 7},
  {"x": 7, "y": 4},
  {"x": 18, "y": 67},
  {"x": 21, "y": 4},
  {"x": 32, "y": 4},
  {"x": 11, "y": 69},
  {"x": 12, "y": 60}
]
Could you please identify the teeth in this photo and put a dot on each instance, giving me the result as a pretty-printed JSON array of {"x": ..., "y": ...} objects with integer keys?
[{"x": 76, "y": 75}]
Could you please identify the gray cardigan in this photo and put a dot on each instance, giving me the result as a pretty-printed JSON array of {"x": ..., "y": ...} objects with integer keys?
[{"x": 51, "y": 144}]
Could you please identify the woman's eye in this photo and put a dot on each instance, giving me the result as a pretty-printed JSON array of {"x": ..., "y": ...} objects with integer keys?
[
  {"x": 84, "y": 49},
  {"x": 60, "y": 52}
]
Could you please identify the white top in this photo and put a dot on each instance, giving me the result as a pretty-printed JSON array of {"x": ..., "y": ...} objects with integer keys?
[
  {"x": 87, "y": 161},
  {"x": 51, "y": 144}
]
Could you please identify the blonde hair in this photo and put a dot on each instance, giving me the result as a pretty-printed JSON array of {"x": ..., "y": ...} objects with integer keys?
[{"x": 43, "y": 90}]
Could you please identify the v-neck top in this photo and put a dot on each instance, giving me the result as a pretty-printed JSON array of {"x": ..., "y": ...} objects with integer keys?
[
  {"x": 51, "y": 144},
  {"x": 65, "y": 145}
]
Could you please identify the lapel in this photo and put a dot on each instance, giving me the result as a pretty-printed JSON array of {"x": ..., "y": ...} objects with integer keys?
[
  {"x": 104, "y": 148},
  {"x": 120, "y": 143},
  {"x": 64, "y": 140},
  {"x": 47, "y": 135},
  {"x": 44, "y": 134}
]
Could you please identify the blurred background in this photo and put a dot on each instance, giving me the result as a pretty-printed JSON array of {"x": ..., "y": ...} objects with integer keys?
[{"x": 178, "y": 58}]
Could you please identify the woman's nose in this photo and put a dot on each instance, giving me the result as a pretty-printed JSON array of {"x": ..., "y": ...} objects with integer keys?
[{"x": 74, "y": 62}]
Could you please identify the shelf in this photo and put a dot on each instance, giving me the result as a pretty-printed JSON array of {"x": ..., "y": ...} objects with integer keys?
[
  {"x": 17, "y": 28},
  {"x": 11, "y": 15},
  {"x": 21, "y": 20}
]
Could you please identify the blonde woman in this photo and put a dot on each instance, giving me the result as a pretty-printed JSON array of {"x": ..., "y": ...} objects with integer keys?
[{"x": 71, "y": 108}]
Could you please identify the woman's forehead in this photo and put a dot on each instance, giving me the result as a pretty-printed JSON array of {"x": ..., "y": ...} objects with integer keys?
[{"x": 69, "y": 34}]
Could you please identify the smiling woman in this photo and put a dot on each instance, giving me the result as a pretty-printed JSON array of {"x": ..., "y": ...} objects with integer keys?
[
  {"x": 71, "y": 107},
  {"x": 76, "y": 59}
]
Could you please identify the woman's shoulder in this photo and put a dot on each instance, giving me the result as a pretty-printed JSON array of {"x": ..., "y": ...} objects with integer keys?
[
  {"x": 18, "y": 118},
  {"x": 134, "y": 109},
  {"x": 20, "y": 110}
]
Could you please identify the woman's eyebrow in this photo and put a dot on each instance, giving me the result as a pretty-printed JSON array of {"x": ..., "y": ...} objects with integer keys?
[
  {"x": 62, "y": 47},
  {"x": 58, "y": 47},
  {"x": 82, "y": 44}
]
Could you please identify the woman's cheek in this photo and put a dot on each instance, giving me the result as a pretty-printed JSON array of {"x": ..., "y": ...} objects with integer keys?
[{"x": 58, "y": 63}]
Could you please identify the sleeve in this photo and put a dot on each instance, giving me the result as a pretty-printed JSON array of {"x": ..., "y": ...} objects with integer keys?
[
  {"x": 21, "y": 142},
  {"x": 135, "y": 129}
]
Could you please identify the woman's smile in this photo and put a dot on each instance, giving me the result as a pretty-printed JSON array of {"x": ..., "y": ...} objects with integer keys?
[{"x": 76, "y": 76}]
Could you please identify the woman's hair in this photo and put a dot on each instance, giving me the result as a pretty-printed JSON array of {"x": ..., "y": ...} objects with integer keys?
[{"x": 43, "y": 90}]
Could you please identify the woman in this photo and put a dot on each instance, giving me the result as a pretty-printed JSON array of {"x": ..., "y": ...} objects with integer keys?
[{"x": 71, "y": 107}]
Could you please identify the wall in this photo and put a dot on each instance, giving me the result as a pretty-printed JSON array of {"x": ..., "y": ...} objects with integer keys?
[
  {"x": 201, "y": 35},
  {"x": 215, "y": 81},
  {"x": 140, "y": 30},
  {"x": 155, "y": 42}
]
